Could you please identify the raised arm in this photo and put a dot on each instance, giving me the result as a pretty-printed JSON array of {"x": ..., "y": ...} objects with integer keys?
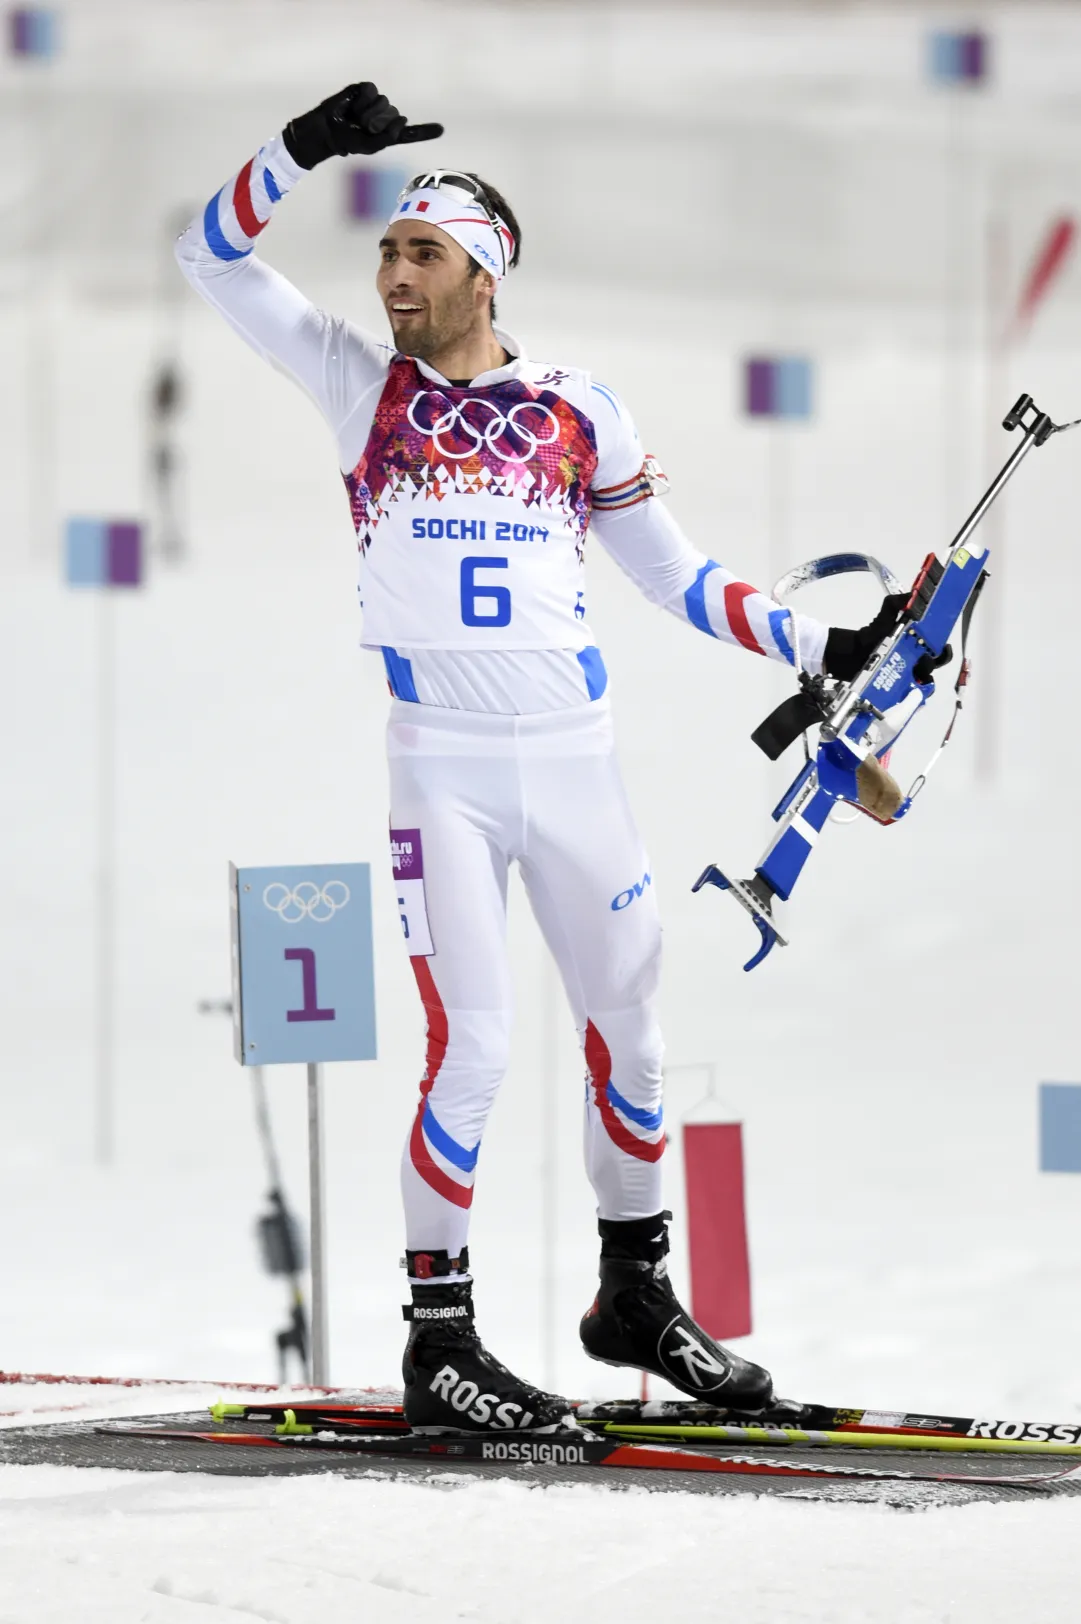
[{"x": 335, "y": 362}]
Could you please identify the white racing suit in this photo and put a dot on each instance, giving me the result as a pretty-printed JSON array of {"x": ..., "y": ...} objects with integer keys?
[{"x": 472, "y": 506}]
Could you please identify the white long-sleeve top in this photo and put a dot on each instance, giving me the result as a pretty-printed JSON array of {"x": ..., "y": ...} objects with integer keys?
[{"x": 472, "y": 504}]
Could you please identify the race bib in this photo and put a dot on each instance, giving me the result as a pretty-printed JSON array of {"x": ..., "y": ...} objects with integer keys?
[{"x": 407, "y": 856}]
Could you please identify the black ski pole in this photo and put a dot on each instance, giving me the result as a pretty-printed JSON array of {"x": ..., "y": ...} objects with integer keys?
[
  {"x": 281, "y": 1244},
  {"x": 280, "y": 1241}
]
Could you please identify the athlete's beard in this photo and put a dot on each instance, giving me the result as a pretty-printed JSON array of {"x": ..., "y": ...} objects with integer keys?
[{"x": 448, "y": 324}]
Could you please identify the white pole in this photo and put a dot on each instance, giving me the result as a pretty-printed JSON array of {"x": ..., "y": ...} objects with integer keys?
[
  {"x": 317, "y": 1196},
  {"x": 41, "y": 380},
  {"x": 989, "y": 683},
  {"x": 105, "y": 967},
  {"x": 953, "y": 439},
  {"x": 549, "y": 1169},
  {"x": 778, "y": 459}
]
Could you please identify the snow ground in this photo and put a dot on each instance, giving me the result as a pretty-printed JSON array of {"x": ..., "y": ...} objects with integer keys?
[
  {"x": 110, "y": 1548},
  {"x": 40, "y": 1403},
  {"x": 159, "y": 1548}
]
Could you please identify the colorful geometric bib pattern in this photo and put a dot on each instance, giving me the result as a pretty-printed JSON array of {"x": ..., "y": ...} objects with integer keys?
[{"x": 507, "y": 440}]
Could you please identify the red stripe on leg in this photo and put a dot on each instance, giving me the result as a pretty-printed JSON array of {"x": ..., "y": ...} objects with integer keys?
[
  {"x": 432, "y": 1174},
  {"x": 599, "y": 1061},
  {"x": 734, "y": 594},
  {"x": 460, "y": 1194},
  {"x": 437, "y": 1022}
]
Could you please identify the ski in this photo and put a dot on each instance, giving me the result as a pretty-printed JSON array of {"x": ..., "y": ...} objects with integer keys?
[
  {"x": 302, "y": 1415},
  {"x": 809, "y": 1425},
  {"x": 586, "y": 1451},
  {"x": 818, "y": 1424}
]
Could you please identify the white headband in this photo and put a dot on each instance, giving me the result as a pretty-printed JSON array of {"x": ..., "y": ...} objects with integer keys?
[{"x": 464, "y": 220}]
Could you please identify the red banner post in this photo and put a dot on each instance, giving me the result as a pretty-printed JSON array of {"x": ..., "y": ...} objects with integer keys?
[
  {"x": 717, "y": 1227},
  {"x": 1051, "y": 258}
]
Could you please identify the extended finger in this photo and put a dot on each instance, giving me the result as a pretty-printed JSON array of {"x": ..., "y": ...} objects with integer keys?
[{"x": 420, "y": 132}]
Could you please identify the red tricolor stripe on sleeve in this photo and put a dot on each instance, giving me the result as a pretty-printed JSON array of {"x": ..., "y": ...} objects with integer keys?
[
  {"x": 734, "y": 595},
  {"x": 249, "y": 222}
]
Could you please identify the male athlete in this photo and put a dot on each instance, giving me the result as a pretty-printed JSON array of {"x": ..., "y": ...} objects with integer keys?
[{"x": 475, "y": 476}]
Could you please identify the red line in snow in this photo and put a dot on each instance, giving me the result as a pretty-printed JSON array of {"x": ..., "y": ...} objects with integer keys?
[{"x": 20, "y": 1378}]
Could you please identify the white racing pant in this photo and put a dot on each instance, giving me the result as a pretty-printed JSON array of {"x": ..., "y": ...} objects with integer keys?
[{"x": 471, "y": 793}]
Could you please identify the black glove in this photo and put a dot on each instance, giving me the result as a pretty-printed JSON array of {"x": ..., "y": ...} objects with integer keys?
[
  {"x": 358, "y": 119},
  {"x": 847, "y": 652}
]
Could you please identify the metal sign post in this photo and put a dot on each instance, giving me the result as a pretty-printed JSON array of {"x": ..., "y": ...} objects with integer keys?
[
  {"x": 780, "y": 388},
  {"x": 304, "y": 992},
  {"x": 105, "y": 888},
  {"x": 318, "y": 1223}
]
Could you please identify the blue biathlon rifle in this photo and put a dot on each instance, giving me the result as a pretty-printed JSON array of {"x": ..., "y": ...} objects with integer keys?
[{"x": 860, "y": 720}]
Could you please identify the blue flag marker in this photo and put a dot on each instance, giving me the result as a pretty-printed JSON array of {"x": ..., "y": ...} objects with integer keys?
[
  {"x": 31, "y": 32},
  {"x": 1060, "y": 1127},
  {"x": 778, "y": 387},
  {"x": 104, "y": 552},
  {"x": 372, "y": 193},
  {"x": 959, "y": 59}
]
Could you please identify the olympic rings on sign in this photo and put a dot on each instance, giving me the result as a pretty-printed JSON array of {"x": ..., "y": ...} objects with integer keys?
[
  {"x": 455, "y": 426},
  {"x": 306, "y": 900}
]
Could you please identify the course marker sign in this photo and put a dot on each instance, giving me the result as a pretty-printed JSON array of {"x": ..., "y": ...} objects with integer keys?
[
  {"x": 959, "y": 59},
  {"x": 372, "y": 193},
  {"x": 31, "y": 31},
  {"x": 779, "y": 386},
  {"x": 1060, "y": 1127},
  {"x": 103, "y": 552},
  {"x": 303, "y": 984}
]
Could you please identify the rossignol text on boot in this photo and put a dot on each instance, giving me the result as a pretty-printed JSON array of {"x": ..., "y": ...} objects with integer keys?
[{"x": 452, "y": 1383}]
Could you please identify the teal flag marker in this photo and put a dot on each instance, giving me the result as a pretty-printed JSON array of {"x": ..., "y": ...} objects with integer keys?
[{"x": 1060, "y": 1127}]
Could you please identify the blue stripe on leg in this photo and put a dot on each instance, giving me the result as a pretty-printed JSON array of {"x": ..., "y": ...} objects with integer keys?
[{"x": 441, "y": 1141}]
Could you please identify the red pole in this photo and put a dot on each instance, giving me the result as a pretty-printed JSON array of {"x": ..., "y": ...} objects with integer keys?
[
  {"x": 1054, "y": 252},
  {"x": 717, "y": 1227}
]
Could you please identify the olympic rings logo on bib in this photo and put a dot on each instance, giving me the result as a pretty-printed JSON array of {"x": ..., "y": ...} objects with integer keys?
[
  {"x": 457, "y": 436},
  {"x": 306, "y": 900}
]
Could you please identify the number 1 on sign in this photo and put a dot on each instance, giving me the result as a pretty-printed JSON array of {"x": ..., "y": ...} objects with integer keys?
[{"x": 310, "y": 1010}]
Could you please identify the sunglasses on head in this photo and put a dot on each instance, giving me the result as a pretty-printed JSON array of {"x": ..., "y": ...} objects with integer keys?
[{"x": 465, "y": 186}]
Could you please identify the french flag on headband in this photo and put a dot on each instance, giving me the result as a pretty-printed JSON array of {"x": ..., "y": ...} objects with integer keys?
[{"x": 236, "y": 215}]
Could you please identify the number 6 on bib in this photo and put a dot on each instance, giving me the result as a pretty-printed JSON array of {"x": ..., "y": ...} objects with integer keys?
[{"x": 474, "y": 593}]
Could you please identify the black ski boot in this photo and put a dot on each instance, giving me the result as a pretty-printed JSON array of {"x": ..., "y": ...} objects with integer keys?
[
  {"x": 452, "y": 1383},
  {"x": 637, "y": 1320}
]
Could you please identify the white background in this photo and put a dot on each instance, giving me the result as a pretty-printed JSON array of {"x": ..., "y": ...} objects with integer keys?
[{"x": 693, "y": 186}]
